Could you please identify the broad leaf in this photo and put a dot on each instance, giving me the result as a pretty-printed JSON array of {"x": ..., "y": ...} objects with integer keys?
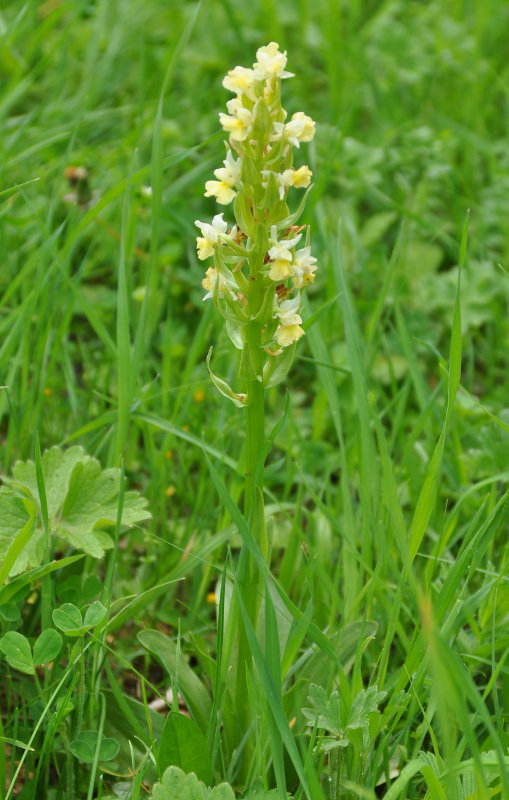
[
  {"x": 94, "y": 614},
  {"x": 183, "y": 745},
  {"x": 328, "y": 715},
  {"x": 82, "y": 499},
  {"x": 47, "y": 646},
  {"x": 364, "y": 704},
  {"x": 176, "y": 785},
  {"x": 85, "y": 745},
  {"x": 16, "y": 648},
  {"x": 14, "y": 515},
  {"x": 325, "y": 711},
  {"x": 57, "y": 466},
  {"x": 68, "y": 619}
]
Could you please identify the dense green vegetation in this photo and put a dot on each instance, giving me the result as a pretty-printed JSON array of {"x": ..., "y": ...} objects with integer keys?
[{"x": 380, "y": 665}]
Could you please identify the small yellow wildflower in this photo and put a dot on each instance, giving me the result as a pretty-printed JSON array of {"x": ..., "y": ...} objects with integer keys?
[
  {"x": 199, "y": 396},
  {"x": 211, "y": 236},
  {"x": 301, "y": 128},
  {"x": 280, "y": 253},
  {"x": 170, "y": 491},
  {"x": 289, "y": 330},
  {"x": 280, "y": 270},
  {"x": 240, "y": 80},
  {"x": 227, "y": 177},
  {"x": 270, "y": 63},
  {"x": 238, "y": 123},
  {"x": 304, "y": 268},
  {"x": 288, "y": 334},
  {"x": 302, "y": 177}
]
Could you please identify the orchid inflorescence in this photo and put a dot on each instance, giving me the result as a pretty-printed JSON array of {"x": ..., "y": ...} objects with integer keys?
[{"x": 258, "y": 272}]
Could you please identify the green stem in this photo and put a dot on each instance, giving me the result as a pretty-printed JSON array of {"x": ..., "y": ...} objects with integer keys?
[
  {"x": 251, "y": 582},
  {"x": 81, "y": 692},
  {"x": 255, "y": 437}
]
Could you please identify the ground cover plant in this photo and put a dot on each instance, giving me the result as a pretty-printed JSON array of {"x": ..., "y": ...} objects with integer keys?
[{"x": 335, "y": 624}]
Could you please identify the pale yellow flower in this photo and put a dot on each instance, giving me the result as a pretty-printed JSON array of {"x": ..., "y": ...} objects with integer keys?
[
  {"x": 302, "y": 177},
  {"x": 221, "y": 190},
  {"x": 211, "y": 235},
  {"x": 281, "y": 256},
  {"x": 301, "y": 128},
  {"x": 289, "y": 329},
  {"x": 288, "y": 334},
  {"x": 227, "y": 176},
  {"x": 304, "y": 268},
  {"x": 240, "y": 80},
  {"x": 280, "y": 270},
  {"x": 204, "y": 247},
  {"x": 210, "y": 280},
  {"x": 270, "y": 63},
  {"x": 299, "y": 178},
  {"x": 238, "y": 123}
]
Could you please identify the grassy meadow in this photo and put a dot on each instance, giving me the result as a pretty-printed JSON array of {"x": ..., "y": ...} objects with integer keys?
[{"x": 373, "y": 660}]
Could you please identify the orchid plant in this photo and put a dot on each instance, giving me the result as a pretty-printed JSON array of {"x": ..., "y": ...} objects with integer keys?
[{"x": 260, "y": 265}]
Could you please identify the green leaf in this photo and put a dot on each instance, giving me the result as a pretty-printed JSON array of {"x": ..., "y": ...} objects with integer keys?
[
  {"x": 243, "y": 214},
  {"x": 277, "y": 367},
  {"x": 238, "y": 400},
  {"x": 325, "y": 711},
  {"x": 89, "y": 504},
  {"x": 92, "y": 586},
  {"x": 57, "y": 466},
  {"x": 69, "y": 591},
  {"x": 94, "y": 614},
  {"x": 81, "y": 500},
  {"x": 85, "y": 745},
  {"x": 47, "y": 646},
  {"x": 257, "y": 792},
  {"x": 222, "y": 792},
  {"x": 192, "y": 689},
  {"x": 19, "y": 542},
  {"x": 183, "y": 745},
  {"x": 10, "y": 612},
  {"x": 176, "y": 785},
  {"x": 68, "y": 619},
  {"x": 16, "y": 648}
]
